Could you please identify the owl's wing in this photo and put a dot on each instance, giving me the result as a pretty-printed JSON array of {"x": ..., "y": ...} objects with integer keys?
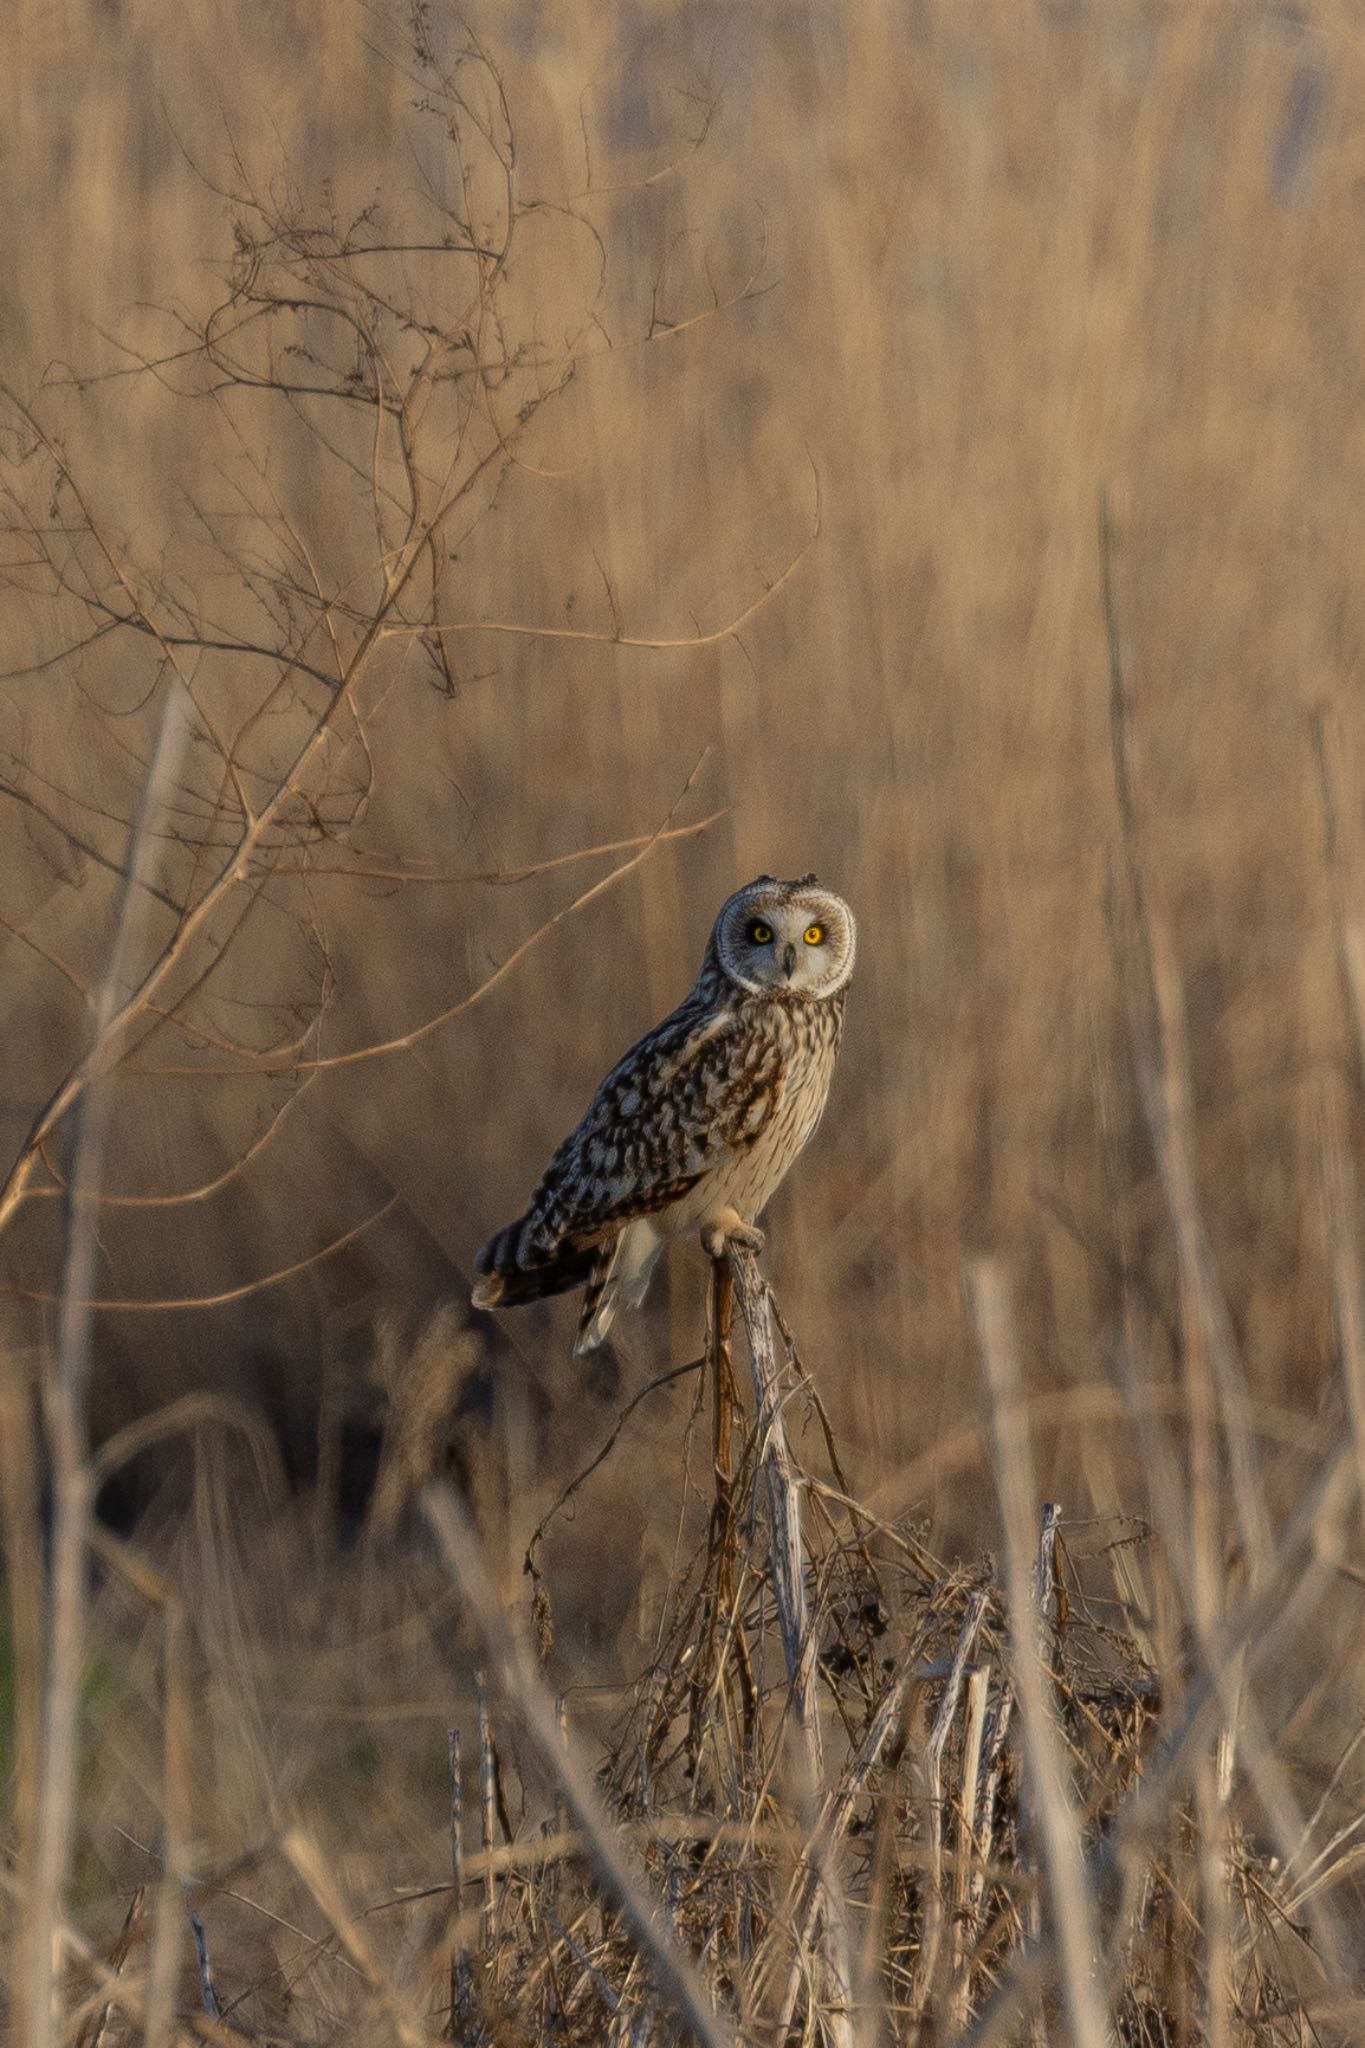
[{"x": 692, "y": 1092}]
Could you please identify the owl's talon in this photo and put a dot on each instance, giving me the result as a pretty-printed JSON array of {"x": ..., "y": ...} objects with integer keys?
[{"x": 716, "y": 1238}]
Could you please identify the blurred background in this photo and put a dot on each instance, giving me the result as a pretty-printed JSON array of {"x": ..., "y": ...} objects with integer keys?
[
  {"x": 824, "y": 338},
  {"x": 562, "y": 462}
]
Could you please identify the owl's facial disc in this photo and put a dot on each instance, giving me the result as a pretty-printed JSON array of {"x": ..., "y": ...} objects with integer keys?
[{"x": 786, "y": 938}]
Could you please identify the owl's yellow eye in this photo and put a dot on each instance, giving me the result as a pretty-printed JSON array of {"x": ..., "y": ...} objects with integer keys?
[
  {"x": 761, "y": 934},
  {"x": 815, "y": 934}
]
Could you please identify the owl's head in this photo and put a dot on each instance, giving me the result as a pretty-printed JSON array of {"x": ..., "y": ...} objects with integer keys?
[{"x": 786, "y": 939}]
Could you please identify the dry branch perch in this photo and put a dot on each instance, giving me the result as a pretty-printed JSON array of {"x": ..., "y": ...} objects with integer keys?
[
  {"x": 788, "y": 1565},
  {"x": 783, "y": 1485}
]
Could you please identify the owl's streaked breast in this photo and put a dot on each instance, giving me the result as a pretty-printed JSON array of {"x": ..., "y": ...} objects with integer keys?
[{"x": 806, "y": 1037}]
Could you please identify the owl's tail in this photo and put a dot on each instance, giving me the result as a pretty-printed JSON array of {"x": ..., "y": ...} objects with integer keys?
[
  {"x": 614, "y": 1273},
  {"x": 620, "y": 1278},
  {"x": 506, "y": 1283}
]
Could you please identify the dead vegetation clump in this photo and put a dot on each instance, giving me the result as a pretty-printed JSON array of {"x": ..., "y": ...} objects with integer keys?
[
  {"x": 842, "y": 1831},
  {"x": 925, "y": 1827}
]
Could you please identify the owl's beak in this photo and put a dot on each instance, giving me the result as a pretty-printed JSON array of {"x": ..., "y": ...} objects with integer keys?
[{"x": 789, "y": 961}]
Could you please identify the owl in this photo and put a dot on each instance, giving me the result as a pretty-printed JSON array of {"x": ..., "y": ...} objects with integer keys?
[{"x": 696, "y": 1127}]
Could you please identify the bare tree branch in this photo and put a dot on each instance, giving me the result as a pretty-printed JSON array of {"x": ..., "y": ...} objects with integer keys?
[{"x": 134, "y": 1306}]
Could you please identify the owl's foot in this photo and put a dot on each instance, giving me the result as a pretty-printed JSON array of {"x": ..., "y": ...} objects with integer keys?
[{"x": 727, "y": 1229}]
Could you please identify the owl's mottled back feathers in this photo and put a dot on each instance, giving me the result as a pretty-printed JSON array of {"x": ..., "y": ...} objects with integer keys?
[{"x": 697, "y": 1124}]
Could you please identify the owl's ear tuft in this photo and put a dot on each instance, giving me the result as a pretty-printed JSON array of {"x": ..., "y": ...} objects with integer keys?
[{"x": 806, "y": 881}]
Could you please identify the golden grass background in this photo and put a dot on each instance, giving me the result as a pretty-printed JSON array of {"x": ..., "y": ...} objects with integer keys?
[
  {"x": 966, "y": 271},
  {"x": 1006, "y": 258}
]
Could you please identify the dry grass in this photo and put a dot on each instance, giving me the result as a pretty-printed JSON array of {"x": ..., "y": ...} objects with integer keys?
[
  {"x": 475, "y": 489},
  {"x": 341, "y": 1886}
]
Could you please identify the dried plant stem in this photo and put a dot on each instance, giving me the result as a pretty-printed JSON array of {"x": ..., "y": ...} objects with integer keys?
[
  {"x": 171, "y": 1902},
  {"x": 208, "y": 1989},
  {"x": 487, "y": 1814},
  {"x": 93, "y": 2032},
  {"x": 932, "y": 1937},
  {"x": 524, "y": 1687},
  {"x": 163, "y": 1967},
  {"x": 1215, "y": 1881},
  {"x": 560, "y": 1818},
  {"x": 459, "y": 1959},
  {"x": 72, "y": 1480},
  {"x": 1213, "y": 1370},
  {"x": 22, "y": 1527},
  {"x": 1057, "y": 1820},
  {"x": 1342, "y": 1213},
  {"x": 803, "y": 1907},
  {"x": 1303, "y": 1566},
  {"x": 313, "y": 1868},
  {"x": 1225, "y": 1655},
  {"x": 1342, "y": 864},
  {"x": 973, "y": 1844}
]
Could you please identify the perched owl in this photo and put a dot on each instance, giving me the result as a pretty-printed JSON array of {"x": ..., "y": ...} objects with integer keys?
[{"x": 696, "y": 1127}]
